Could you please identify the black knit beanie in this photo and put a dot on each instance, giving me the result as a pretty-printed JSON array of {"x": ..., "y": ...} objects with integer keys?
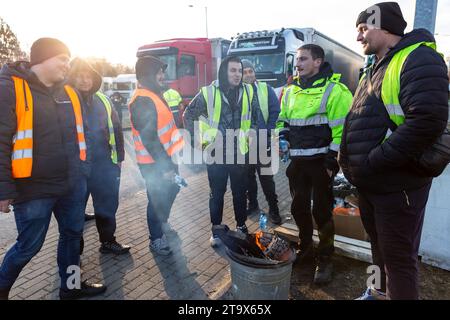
[
  {"x": 385, "y": 15},
  {"x": 46, "y": 48},
  {"x": 148, "y": 66}
]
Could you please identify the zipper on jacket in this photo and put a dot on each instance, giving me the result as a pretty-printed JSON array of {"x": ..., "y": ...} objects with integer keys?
[
  {"x": 407, "y": 198},
  {"x": 25, "y": 96}
]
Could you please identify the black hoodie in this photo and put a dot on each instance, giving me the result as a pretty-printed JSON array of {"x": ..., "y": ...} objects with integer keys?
[
  {"x": 230, "y": 117},
  {"x": 56, "y": 162},
  {"x": 389, "y": 166}
]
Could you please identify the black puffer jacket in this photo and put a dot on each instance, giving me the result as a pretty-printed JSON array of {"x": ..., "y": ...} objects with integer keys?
[
  {"x": 384, "y": 167},
  {"x": 56, "y": 162}
]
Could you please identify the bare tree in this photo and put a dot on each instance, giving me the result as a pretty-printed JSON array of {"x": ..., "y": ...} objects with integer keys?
[{"x": 9, "y": 45}]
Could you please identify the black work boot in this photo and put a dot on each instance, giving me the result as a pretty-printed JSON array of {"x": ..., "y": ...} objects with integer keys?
[
  {"x": 324, "y": 271},
  {"x": 305, "y": 254},
  {"x": 274, "y": 216},
  {"x": 89, "y": 217},
  {"x": 4, "y": 294},
  {"x": 87, "y": 290},
  {"x": 253, "y": 210},
  {"x": 114, "y": 247}
]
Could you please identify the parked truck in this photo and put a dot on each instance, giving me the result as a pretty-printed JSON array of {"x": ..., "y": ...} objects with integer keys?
[
  {"x": 273, "y": 54},
  {"x": 192, "y": 62},
  {"x": 125, "y": 84}
]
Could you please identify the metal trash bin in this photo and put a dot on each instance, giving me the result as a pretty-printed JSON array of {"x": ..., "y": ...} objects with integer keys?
[{"x": 260, "y": 279}]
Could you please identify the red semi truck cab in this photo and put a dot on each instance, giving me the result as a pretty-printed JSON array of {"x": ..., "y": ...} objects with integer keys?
[{"x": 191, "y": 62}]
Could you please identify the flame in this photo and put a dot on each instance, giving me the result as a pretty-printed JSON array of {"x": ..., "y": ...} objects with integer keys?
[{"x": 258, "y": 235}]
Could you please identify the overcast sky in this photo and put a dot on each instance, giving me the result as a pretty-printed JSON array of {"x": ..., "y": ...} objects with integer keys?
[{"x": 115, "y": 29}]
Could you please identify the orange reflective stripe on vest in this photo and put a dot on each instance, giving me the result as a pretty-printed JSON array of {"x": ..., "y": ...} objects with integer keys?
[
  {"x": 76, "y": 105},
  {"x": 22, "y": 155},
  {"x": 168, "y": 133}
]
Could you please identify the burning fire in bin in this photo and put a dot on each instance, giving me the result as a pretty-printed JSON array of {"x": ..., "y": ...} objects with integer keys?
[
  {"x": 273, "y": 246},
  {"x": 263, "y": 245}
]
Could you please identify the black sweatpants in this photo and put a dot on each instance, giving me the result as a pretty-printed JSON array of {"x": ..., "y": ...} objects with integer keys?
[
  {"x": 394, "y": 223},
  {"x": 218, "y": 178},
  {"x": 308, "y": 177}
]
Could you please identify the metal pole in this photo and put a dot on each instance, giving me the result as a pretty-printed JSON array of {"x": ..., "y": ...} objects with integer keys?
[
  {"x": 206, "y": 20},
  {"x": 425, "y": 16}
]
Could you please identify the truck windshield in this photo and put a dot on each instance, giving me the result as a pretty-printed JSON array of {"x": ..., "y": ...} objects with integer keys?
[
  {"x": 171, "y": 61},
  {"x": 267, "y": 63},
  {"x": 124, "y": 86}
]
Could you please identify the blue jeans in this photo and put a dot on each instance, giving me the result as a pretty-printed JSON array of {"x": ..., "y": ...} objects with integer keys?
[
  {"x": 103, "y": 186},
  {"x": 32, "y": 221}
]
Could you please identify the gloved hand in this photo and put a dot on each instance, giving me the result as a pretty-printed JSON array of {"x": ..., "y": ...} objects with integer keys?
[{"x": 331, "y": 162}]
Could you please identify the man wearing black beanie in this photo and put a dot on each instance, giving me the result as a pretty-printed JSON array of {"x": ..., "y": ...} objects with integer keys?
[
  {"x": 44, "y": 162},
  {"x": 398, "y": 112}
]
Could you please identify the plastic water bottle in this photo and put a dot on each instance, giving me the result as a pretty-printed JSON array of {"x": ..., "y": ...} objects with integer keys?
[
  {"x": 284, "y": 148},
  {"x": 263, "y": 222},
  {"x": 179, "y": 180},
  {"x": 339, "y": 203}
]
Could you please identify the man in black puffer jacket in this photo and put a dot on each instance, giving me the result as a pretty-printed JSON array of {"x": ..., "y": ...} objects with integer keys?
[{"x": 393, "y": 192}]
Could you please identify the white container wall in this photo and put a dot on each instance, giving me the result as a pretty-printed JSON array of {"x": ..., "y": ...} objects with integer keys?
[{"x": 435, "y": 244}]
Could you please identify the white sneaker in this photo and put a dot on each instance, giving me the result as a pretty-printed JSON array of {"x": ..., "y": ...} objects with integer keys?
[
  {"x": 167, "y": 228},
  {"x": 160, "y": 246},
  {"x": 214, "y": 241},
  {"x": 372, "y": 294}
]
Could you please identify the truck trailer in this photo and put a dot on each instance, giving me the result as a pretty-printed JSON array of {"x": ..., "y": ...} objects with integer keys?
[
  {"x": 191, "y": 62},
  {"x": 273, "y": 54}
]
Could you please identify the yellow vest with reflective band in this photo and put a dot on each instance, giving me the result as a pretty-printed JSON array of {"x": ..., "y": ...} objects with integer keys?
[
  {"x": 173, "y": 99},
  {"x": 308, "y": 107},
  {"x": 263, "y": 99},
  {"x": 168, "y": 133},
  {"x": 22, "y": 155},
  {"x": 112, "y": 136},
  {"x": 390, "y": 87},
  {"x": 209, "y": 127}
]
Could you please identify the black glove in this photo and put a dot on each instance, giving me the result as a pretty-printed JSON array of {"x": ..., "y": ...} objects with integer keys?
[{"x": 331, "y": 162}]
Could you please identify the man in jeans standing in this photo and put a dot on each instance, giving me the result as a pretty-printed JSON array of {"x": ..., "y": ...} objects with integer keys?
[
  {"x": 107, "y": 153},
  {"x": 43, "y": 163}
]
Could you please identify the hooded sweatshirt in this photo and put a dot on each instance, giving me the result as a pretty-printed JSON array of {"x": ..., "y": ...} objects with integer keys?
[
  {"x": 97, "y": 116},
  {"x": 230, "y": 117}
]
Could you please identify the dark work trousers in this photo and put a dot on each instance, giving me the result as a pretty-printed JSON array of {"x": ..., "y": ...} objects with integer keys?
[
  {"x": 218, "y": 178},
  {"x": 161, "y": 194},
  {"x": 268, "y": 186},
  {"x": 308, "y": 177},
  {"x": 103, "y": 186},
  {"x": 394, "y": 224}
]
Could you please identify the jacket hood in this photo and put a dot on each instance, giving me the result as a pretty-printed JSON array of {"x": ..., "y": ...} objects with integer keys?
[
  {"x": 415, "y": 36},
  {"x": 147, "y": 68},
  {"x": 224, "y": 85},
  {"x": 19, "y": 69},
  {"x": 78, "y": 65},
  {"x": 325, "y": 72}
]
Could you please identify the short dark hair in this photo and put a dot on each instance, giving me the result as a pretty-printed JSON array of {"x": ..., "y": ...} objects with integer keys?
[
  {"x": 234, "y": 59},
  {"x": 316, "y": 51}
]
